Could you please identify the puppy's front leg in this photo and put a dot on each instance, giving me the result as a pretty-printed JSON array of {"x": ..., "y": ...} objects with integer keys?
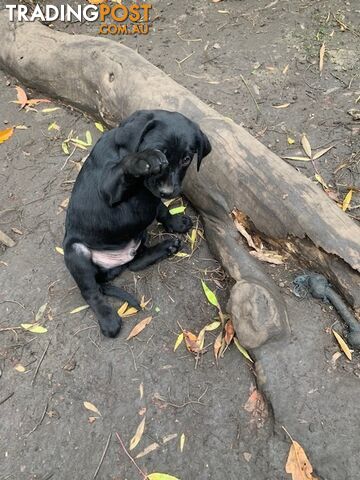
[{"x": 173, "y": 223}]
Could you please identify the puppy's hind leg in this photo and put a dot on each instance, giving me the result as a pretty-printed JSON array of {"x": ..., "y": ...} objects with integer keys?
[
  {"x": 149, "y": 255},
  {"x": 84, "y": 273},
  {"x": 104, "y": 276}
]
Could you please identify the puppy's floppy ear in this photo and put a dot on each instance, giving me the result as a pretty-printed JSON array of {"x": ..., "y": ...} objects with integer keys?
[
  {"x": 203, "y": 147},
  {"x": 130, "y": 133}
]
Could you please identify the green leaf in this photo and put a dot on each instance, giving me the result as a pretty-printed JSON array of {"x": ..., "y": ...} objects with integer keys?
[
  {"x": 40, "y": 313},
  {"x": 88, "y": 137},
  {"x": 33, "y": 328},
  {"x": 79, "y": 142},
  {"x": 53, "y": 126},
  {"x": 99, "y": 126},
  {"x": 175, "y": 211},
  {"x": 65, "y": 148},
  {"x": 242, "y": 350},
  {"x": 211, "y": 297},
  {"x": 161, "y": 476}
]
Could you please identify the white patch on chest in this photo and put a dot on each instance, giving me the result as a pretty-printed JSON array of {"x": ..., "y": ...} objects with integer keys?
[{"x": 110, "y": 258}]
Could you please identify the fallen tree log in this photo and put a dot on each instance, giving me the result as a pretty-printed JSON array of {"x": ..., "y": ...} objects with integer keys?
[{"x": 110, "y": 81}]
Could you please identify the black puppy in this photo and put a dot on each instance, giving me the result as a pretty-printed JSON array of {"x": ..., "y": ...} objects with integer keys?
[{"x": 117, "y": 195}]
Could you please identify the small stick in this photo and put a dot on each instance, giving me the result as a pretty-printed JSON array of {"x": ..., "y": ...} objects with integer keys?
[
  {"x": 131, "y": 458},
  {"x": 252, "y": 96},
  {"x": 68, "y": 158},
  {"x": 179, "y": 62},
  {"x": 40, "y": 362},
  {"x": 40, "y": 421},
  {"x": 6, "y": 398},
  {"x": 102, "y": 456}
]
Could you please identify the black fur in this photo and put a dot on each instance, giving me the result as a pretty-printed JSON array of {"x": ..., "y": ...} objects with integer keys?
[{"x": 117, "y": 195}]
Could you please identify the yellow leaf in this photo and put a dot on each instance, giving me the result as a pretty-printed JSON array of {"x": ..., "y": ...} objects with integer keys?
[
  {"x": 21, "y": 127},
  {"x": 242, "y": 350},
  {"x": 210, "y": 295},
  {"x": 290, "y": 141},
  {"x": 212, "y": 326},
  {"x": 91, "y": 407},
  {"x": 182, "y": 442},
  {"x": 99, "y": 126},
  {"x": 88, "y": 137},
  {"x": 147, "y": 450},
  {"x": 182, "y": 255},
  {"x": 319, "y": 179},
  {"x": 193, "y": 238},
  {"x": 49, "y": 110},
  {"x": 343, "y": 344},
  {"x": 306, "y": 145},
  {"x": 285, "y": 69},
  {"x": 123, "y": 308},
  {"x": 284, "y": 105},
  {"x": 138, "y": 434},
  {"x": 130, "y": 311},
  {"x": 347, "y": 201},
  {"x": 6, "y": 134},
  {"x": 321, "y": 152},
  {"x": 53, "y": 126},
  {"x": 179, "y": 339},
  {"x": 65, "y": 148},
  {"x": 79, "y": 309},
  {"x": 33, "y": 328},
  {"x": 321, "y": 57},
  {"x": 20, "y": 368},
  {"x": 299, "y": 159},
  {"x": 59, "y": 250},
  {"x": 139, "y": 327},
  {"x": 144, "y": 302},
  {"x": 141, "y": 389},
  {"x": 298, "y": 464},
  {"x": 161, "y": 476},
  {"x": 40, "y": 313}
]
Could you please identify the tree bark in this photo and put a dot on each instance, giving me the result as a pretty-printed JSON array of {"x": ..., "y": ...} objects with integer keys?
[{"x": 110, "y": 81}]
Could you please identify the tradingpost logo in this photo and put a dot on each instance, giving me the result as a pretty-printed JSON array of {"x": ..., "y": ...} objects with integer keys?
[{"x": 115, "y": 17}]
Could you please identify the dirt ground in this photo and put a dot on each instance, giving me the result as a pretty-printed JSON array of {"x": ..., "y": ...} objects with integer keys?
[{"x": 244, "y": 58}]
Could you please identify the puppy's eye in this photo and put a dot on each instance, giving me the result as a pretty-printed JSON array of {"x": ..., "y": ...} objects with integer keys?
[{"x": 186, "y": 161}]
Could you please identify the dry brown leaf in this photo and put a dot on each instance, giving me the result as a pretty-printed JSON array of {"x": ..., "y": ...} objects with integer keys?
[
  {"x": 139, "y": 327},
  {"x": 22, "y": 98},
  {"x": 229, "y": 332},
  {"x": 321, "y": 152},
  {"x": 321, "y": 57},
  {"x": 257, "y": 406},
  {"x": 147, "y": 450},
  {"x": 92, "y": 419},
  {"x": 298, "y": 464},
  {"x": 138, "y": 434},
  {"x": 6, "y": 134},
  {"x": 191, "y": 341},
  {"x": 284, "y": 105},
  {"x": 90, "y": 406},
  {"x": 217, "y": 345},
  {"x": 306, "y": 145}
]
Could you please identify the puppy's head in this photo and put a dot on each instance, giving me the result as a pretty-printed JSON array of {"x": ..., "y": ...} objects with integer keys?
[{"x": 178, "y": 138}]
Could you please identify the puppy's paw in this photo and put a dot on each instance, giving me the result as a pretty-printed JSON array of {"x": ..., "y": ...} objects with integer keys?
[
  {"x": 179, "y": 224},
  {"x": 172, "y": 246},
  {"x": 111, "y": 326},
  {"x": 148, "y": 163}
]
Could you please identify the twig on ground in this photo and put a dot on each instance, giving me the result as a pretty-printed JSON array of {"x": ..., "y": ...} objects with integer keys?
[
  {"x": 68, "y": 158},
  {"x": 6, "y": 398},
  {"x": 133, "y": 356},
  {"x": 40, "y": 362},
  {"x": 40, "y": 421},
  {"x": 190, "y": 402},
  {"x": 13, "y": 301},
  {"x": 102, "y": 456},
  {"x": 252, "y": 96},
  {"x": 131, "y": 458}
]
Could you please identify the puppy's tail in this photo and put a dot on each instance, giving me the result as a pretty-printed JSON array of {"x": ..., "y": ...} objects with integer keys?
[{"x": 116, "y": 292}]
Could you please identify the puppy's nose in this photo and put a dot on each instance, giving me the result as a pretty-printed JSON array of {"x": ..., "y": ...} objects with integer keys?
[{"x": 166, "y": 191}]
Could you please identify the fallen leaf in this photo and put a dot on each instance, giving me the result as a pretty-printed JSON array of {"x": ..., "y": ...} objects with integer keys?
[
  {"x": 247, "y": 456},
  {"x": 92, "y": 419},
  {"x": 40, "y": 313},
  {"x": 347, "y": 201},
  {"x": 141, "y": 389},
  {"x": 33, "y": 328},
  {"x": 59, "y": 250},
  {"x": 126, "y": 311},
  {"x": 354, "y": 113},
  {"x": 139, "y": 327},
  {"x": 147, "y": 450},
  {"x": 164, "y": 476},
  {"x": 49, "y": 110},
  {"x": 343, "y": 345},
  {"x": 65, "y": 148},
  {"x": 242, "y": 350},
  {"x": 321, "y": 152},
  {"x": 193, "y": 238},
  {"x": 20, "y": 368},
  {"x": 229, "y": 332},
  {"x": 321, "y": 57},
  {"x": 284, "y": 105},
  {"x": 167, "y": 438},
  {"x": 36, "y": 101},
  {"x": 144, "y": 303},
  {"x": 65, "y": 203},
  {"x": 6, "y": 134},
  {"x": 306, "y": 145},
  {"x": 191, "y": 341},
  {"x": 182, "y": 442},
  {"x": 298, "y": 464},
  {"x": 99, "y": 126},
  {"x": 6, "y": 240},
  {"x": 79, "y": 309},
  {"x": 179, "y": 340},
  {"x": 138, "y": 434},
  {"x": 218, "y": 344},
  {"x": 298, "y": 159},
  {"x": 210, "y": 295},
  {"x": 21, "y": 127},
  {"x": 17, "y": 231},
  {"x": 90, "y": 406},
  {"x": 319, "y": 179},
  {"x": 177, "y": 210},
  {"x": 123, "y": 308},
  {"x": 53, "y": 126},
  {"x": 22, "y": 98},
  {"x": 88, "y": 137},
  {"x": 285, "y": 69},
  {"x": 257, "y": 406},
  {"x": 182, "y": 255},
  {"x": 290, "y": 141}
]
